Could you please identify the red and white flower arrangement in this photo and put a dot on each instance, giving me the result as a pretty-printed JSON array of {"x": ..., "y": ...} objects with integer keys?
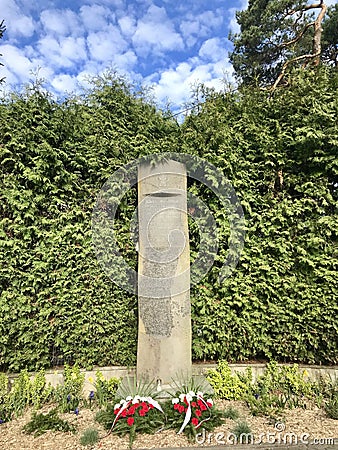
[
  {"x": 134, "y": 414},
  {"x": 190, "y": 411},
  {"x": 197, "y": 410}
]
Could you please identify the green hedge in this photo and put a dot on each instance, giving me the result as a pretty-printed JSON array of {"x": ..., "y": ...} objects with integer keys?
[
  {"x": 282, "y": 301},
  {"x": 57, "y": 305}
]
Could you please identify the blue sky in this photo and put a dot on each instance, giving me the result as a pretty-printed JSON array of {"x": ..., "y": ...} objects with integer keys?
[
  {"x": 166, "y": 44},
  {"x": 169, "y": 45}
]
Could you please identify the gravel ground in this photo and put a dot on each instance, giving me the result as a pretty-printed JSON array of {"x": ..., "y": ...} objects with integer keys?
[{"x": 313, "y": 422}]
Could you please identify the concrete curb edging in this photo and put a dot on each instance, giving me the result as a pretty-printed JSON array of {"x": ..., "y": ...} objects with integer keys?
[{"x": 55, "y": 377}]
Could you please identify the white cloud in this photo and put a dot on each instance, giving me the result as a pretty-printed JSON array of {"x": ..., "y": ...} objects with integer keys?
[
  {"x": 177, "y": 84},
  {"x": 213, "y": 50},
  {"x": 64, "y": 83},
  {"x": 96, "y": 17},
  {"x": 233, "y": 24},
  {"x": 125, "y": 61},
  {"x": 73, "y": 48},
  {"x": 127, "y": 25},
  {"x": 156, "y": 33},
  {"x": 82, "y": 40},
  {"x": 104, "y": 45},
  {"x": 63, "y": 53},
  {"x": 17, "y": 23},
  {"x": 61, "y": 22},
  {"x": 110, "y": 3},
  {"x": 17, "y": 65},
  {"x": 200, "y": 25}
]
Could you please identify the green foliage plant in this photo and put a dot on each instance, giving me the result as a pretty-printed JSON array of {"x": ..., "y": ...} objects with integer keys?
[
  {"x": 331, "y": 407},
  {"x": 41, "y": 393},
  {"x": 54, "y": 159},
  {"x": 242, "y": 433},
  {"x": 40, "y": 423},
  {"x": 278, "y": 388},
  {"x": 279, "y": 153},
  {"x": 330, "y": 394},
  {"x": 231, "y": 413},
  {"x": 275, "y": 35},
  {"x": 227, "y": 385},
  {"x": 105, "y": 390},
  {"x": 131, "y": 387},
  {"x": 25, "y": 391},
  {"x": 69, "y": 394},
  {"x": 5, "y": 410},
  {"x": 20, "y": 393},
  {"x": 89, "y": 437}
]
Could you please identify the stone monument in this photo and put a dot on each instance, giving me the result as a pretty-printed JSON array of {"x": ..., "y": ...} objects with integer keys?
[{"x": 164, "y": 322}]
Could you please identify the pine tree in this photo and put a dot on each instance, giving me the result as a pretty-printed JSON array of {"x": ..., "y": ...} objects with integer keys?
[{"x": 275, "y": 36}]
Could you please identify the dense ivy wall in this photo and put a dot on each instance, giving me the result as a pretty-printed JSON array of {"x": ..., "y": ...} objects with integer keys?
[{"x": 54, "y": 157}]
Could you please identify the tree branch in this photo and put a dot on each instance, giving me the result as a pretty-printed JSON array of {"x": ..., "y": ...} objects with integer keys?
[
  {"x": 316, "y": 43},
  {"x": 287, "y": 63}
]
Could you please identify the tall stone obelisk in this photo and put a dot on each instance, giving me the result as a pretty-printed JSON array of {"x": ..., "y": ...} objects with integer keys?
[{"x": 164, "y": 321}]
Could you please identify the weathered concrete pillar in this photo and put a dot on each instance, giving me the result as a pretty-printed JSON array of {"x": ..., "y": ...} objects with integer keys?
[{"x": 164, "y": 330}]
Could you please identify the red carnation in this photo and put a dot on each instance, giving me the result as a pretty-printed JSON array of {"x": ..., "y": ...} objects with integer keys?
[
  {"x": 124, "y": 413},
  {"x": 131, "y": 410},
  {"x": 142, "y": 412},
  {"x": 193, "y": 404},
  {"x": 151, "y": 406},
  {"x": 130, "y": 421},
  {"x": 209, "y": 404},
  {"x": 176, "y": 406},
  {"x": 180, "y": 408},
  {"x": 194, "y": 421},
  {"x": 116, "y": 411},
  {"x": 198, "y": 412},
  {"x": 203, "y": 407}
]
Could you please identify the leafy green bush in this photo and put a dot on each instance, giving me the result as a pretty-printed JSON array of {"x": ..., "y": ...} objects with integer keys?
[
  {"x": 5, "y": 410},
  {"x": 227, "y": 385},
  {"x": 105, "y": 390},
  {"x": 278, "y": 388},
  {"x": 40, "y": 423},
  {"x": 329, "y": 394},
  {"x": 278, "y": 152}
]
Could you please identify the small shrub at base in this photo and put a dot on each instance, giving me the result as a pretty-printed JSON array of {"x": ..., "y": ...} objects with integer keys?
[
  {"x": 242, "y": 432},
  {"x": 89, "y": 437},
  {"x": 40, "y": 423},
  {"x": 331, "y": 407},
  {"x": 231, "y": 413}
]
